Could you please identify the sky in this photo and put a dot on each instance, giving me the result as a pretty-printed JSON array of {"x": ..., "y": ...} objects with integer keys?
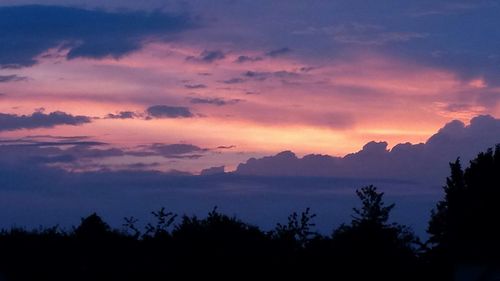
[{"x": 388, "y": 89}]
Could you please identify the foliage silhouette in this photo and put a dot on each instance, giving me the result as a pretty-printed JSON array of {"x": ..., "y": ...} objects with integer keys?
[
  {"x": 465, "y": 226},
  {"x": 385, "y": 251},
  {"x": 296, "y": 231},
  {"x": 464, "y": 229}
]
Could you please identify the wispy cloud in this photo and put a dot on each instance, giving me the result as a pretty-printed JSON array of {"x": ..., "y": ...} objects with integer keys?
[
  {"x": 11, "y": 78},
  {"x": 207, "y": 56},
  {"x": 214, "y": 101}
]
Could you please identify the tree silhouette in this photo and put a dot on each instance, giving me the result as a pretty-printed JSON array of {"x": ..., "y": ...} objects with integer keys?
[
  {"x": 373, "y": 210},
  {"x": 163, "y": 222},
  {"x": 297, "y": 230},
  {"x": 92, "y": 227},
  {"x": 465, "y": 225},
  {"x": 383, "y": 251}
]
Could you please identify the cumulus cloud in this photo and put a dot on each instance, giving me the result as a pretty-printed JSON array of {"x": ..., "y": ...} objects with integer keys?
[
  {"x": 10, "y": 122},
  {"x": 28, "y": 31},
  {"x": 166, "y": 111},
  {"x": 207, "y": 56},
  {"x": 420, "y": 162}
]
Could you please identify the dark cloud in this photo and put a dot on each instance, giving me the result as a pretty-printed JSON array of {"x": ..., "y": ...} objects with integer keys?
[
  {"x": 212, "y": 171},
  {"x": 226, "y": 146},
  {"x": 27, "y": 142},
  {"x": 234, "y": 81},
  {"x": 140, "y": 166},
  {"x": 122, "y": 115},
  {"x": 11, "y": 78},
  {"x": 278, "y": 52},
  {"x": 263, "y": 75},
  {"x": 208, "y": 56},
  {"x": 420, "y": 162},
  {"x": 175, "y": 151},
  {"x": 38, "y": 151},
  {"x": 86, "y": 151},
  {"x": 166, "y": 111},
  {"x": 214, "y": 101},
  {"x": 195, "y": 86},
  {"x": 243, "y": 59},
  {"x": 10, "y": 122},
  {"x": 28, "y": 31},
  {"x": 85, "y": 155},
  {"x": 257, "y": 75}
]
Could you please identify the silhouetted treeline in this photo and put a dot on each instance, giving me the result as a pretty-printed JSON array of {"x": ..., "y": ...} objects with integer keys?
[{"x": 464, "y": 242}]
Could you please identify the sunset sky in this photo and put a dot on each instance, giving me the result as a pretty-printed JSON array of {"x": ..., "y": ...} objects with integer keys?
[
  {"x": 119, "y": 98},
  {"x": 250, "y": 78}
]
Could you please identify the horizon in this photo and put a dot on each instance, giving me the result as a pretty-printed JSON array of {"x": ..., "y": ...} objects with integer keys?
[{"x": 253, "y": 106}]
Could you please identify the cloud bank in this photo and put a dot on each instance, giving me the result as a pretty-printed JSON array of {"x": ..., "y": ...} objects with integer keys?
[{"x": 425, "y": 162}]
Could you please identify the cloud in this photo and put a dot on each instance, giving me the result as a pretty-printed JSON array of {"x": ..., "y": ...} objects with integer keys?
[
  {"x": 263, "y": 75},
  {"x": 166, "y": 111},
  {"x": 207, "y": 56},
  {"x": 175, "y": 151},
  {"x": 234, "y": 81},
  {"x": 81, "y": 154},
  {"x": 122, "y": 115},
  {"x": 213, "y": 171},
  {"x": 28, "y": 31},
  {"x": 195, "y": 86},
  {"x": 363, "y": 34},
  {"x": 243, "y": 59},
  {"x": 278, "y": 52},
  {"x": 214, "y": 101},
  {"x": 11, "y": 78},
  {"x": 39, "y": 151},
  {"x": 226, "y": 146},
  {"x": 425, "y": 162},
  {"x": 10, "y": 122}
]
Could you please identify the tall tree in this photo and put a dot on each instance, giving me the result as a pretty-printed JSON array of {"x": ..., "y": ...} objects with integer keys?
[{"x": 465, "y": 225}]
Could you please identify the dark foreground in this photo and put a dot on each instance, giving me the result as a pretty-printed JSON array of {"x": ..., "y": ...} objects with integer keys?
[{"x": 463, "y": 244}]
